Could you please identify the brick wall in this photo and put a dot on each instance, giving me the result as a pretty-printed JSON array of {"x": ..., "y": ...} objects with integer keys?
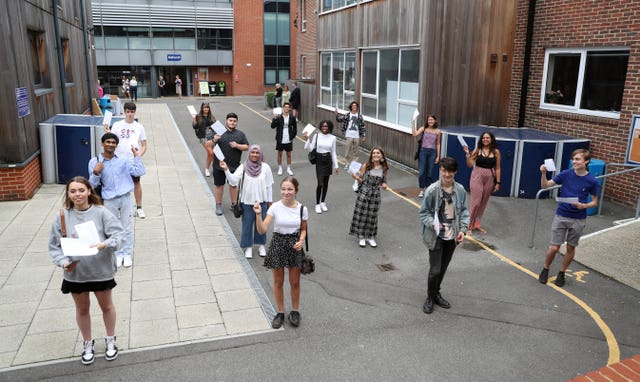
[
  {"x": 582, "y": 24},
  {"x": 248, "y": 45},
  {"x": 306, "y": 41},
  {"x": 20, "y": 183}
]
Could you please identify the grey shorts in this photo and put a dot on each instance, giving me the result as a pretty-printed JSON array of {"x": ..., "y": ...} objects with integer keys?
[{"x": 566, "y": 229}]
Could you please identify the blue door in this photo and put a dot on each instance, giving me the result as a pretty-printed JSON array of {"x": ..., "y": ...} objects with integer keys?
[
  {"x": 73, "y": 149},
  {"x": 533, "y": 155},
  {"x": 455, "y": 151},
  {"x": 507, "y": 155}
]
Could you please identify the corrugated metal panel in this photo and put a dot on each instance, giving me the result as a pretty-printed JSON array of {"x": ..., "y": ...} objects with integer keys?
[{"x": 161, "y": 16}]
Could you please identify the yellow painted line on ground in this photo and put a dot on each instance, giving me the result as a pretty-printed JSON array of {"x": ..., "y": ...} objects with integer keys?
[{"x": 612, "y": 343}]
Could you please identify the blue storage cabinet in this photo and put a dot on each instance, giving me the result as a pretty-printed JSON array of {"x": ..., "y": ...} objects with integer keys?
[
  {"x": 532, "y": 156},
  {"x": 73, "y": 149}
]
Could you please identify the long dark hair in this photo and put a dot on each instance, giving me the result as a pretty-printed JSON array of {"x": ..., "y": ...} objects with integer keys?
[
  {"x": 426, "y": 121},
  {"x": 200, "y": 115},
  {"x": 492, "y": 146},
  {"x": 93, "y": 196},
  {"x": 383, "y": 161}
]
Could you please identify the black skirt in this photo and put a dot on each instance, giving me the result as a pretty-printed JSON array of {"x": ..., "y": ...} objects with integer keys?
[
  {"x": 281, "y": 252},
  {"x": 324, "y": 164},
  {"x": 91, "y": 286}
]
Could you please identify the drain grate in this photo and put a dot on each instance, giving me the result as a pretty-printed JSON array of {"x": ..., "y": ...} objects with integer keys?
[{"x": 386, "y": 267}]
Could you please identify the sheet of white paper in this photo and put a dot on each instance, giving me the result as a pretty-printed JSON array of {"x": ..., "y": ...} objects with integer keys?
[
  {"x": 436, "y": 223},
  {"x": 309, "y": 129},
  {"x": 548, "y": 163},
  {"x": 218, "y": 152},
  {"x": 277, "y": 110},
  {"x": 416, "y": 113},
  {"x": 75, "y": 247},
  {"x": 462, "y": 142},
  {"x": 219, "y": 128},
  {"x": 354, "y": 167},
  {"x": 570, "y": 200},
  {"x": 107, "y": 118},
  {"x": 87, "y": 233},
  {"x": 192, "y": 110}
]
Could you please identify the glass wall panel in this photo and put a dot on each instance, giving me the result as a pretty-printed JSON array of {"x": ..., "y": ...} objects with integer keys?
[{"x": 369, "y": 72}]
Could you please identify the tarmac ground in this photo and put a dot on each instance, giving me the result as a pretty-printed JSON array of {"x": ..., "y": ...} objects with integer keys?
[{"x": 193, "y": 307}]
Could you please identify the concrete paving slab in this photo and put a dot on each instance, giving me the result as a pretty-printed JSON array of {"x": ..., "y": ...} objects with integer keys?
[
  {"x": 12, "y": 337},
  {"x": 59, "y": 345},
  {"x": 224, "y": 266},
  {"x": 53, "y": 320},
  {"x": 237, "y": 300},
  {"x": 195, "y": 294},
  {"x": 152, "y": 309},
  {"x": 151, "y": 272},
  {"x": 189, "y": 277},
  {"x": 197, "y": 333},
  {"x": 153, "y": 332},
  {"x": 146, "y": 290},
  {"x": 17, "y": 313},
  {"x": 13, "y": 293},
  {"x": 245, "y": 321},
  {"x": 228, "y": 282},
  {"x": 198, "y": 315}
]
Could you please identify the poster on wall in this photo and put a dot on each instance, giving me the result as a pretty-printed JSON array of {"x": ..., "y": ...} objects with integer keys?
[
  {"x": 633, "y": 150},
  {"x": 204, "y": 87}
]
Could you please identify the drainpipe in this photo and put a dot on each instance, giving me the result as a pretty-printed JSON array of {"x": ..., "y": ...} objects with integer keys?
[
  {"x": 63, "y": 81},
  {"x": 90, "y": 83},
  {"x": 526, "y": 66}
]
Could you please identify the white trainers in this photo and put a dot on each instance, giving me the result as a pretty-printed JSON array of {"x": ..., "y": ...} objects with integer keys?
[
  {"x": 318, "y": 209},
  {"x": 88, "y": 354},
  {"x": 262, "y": 251},
  {"x": 119, "y": 261},
  {"x": 248, "y": 253},
  {"x": 279, "y": 170},
  {"x": 112, "y": 350},
  {"x": 421, "y": 194},
  {"x": 362, "y": 243},
  {"x": 323, "y": 206},
  {"x": 289, "y": 172},
  {"x": 206, "y": 172},
  {"x": 372, "y": 243},
  {"x": 140, "y": 213},
  {"x": 355, "y": 186},
  {"x": 127, "y": 261}
]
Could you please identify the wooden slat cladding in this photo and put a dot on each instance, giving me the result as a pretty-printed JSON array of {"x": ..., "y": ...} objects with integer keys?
[{"x": 459, "y": 81}]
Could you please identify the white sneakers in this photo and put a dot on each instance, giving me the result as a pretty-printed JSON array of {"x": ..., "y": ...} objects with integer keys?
[
  {"x": 248, "y": 253},
  {"x": 111, "y": 352},
  {"x": 88, "y": 354},
  {"x": 323, "y": 207},
  {"x": 279, "y": 170},
  {"x": 140, "y": 213},
  {"x": 119, "y": 261},
  {"x": 206, "y": 172},
  {"x": 262, "y": 251},
  {"x": 355, "y": 186},
  {"x": 127, "y": 261},
  {"x": 372, "y": 243},
  {"x": 362, "y": 242},
  {"x": 289, "y": 172},
  {"x": 421, "y": 194},
  {"x": 318, "y": 209}
]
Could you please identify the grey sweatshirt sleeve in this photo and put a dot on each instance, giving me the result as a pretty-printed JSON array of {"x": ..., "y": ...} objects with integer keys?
[{"x": 55, "y": 249}]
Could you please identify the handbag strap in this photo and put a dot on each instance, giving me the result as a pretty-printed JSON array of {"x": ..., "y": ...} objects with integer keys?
[
  {"x": 306, "y": 237},
  {"x": 240, "y": 187},
  {"x": 63, "y": 226}
]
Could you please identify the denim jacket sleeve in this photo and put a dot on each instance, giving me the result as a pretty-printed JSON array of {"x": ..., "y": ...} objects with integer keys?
[{"x": 428, "y": 208}]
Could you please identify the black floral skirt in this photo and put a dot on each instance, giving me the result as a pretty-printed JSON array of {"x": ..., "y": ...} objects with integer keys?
[{"x": 281, "y": 252}]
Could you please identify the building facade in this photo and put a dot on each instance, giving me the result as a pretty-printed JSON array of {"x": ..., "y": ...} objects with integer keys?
[{"x": 47, "y": 68}]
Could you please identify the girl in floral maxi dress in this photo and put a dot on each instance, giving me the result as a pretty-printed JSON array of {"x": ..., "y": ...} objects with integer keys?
[{"x": 371, "y": 178}]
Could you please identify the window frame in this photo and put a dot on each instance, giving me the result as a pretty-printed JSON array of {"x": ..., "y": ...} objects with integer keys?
[
  {"x": 345, "y": 93},
  {"x": 575, "y": 108}
]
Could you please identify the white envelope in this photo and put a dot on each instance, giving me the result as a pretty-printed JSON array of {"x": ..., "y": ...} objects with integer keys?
[
  {"x": 76, "y": 247},
  {"x": 548, "y": 163},
  {"x": 277, "y": 110},
  {"x": 192, "y": 110},
  {"x": 217, "y": 151},
  {"x": 309, "y": 129},
  {"x": 219, "y": 128},
  {"x": 107, "y": 118},
  {"x": 436, "y": 223},
  {"x": 416, "y": 113},
  {"x": 570, "y": 200},
  {"x": 462, "y": 142},
  {"x": 87, "y": 232},
  {"x": 354, "y": 167}
]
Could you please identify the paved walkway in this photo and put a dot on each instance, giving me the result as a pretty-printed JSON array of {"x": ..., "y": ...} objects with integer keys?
[{"x": 189, "y": 280}]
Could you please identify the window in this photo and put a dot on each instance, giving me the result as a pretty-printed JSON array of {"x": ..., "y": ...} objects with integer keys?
[
  {"x": 337, "y": 82},
  {"x": 328, "y": 5},
  {"x": 303, "y": 15},
  {"x": 277, "y": 59},
  {"x": 303, "y": 66},
  {"x": 215, "y": 39},
  {"x": 66, "y": 58},
  {"x": 38, "y": 62},
  {"x": 585, "y": 81},
  {"x": 390, "y": 84}
]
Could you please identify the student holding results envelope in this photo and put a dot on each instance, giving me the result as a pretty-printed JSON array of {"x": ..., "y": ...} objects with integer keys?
[
  {"x": 201, "y": 124},
  {"x": 88, "y": 273}
]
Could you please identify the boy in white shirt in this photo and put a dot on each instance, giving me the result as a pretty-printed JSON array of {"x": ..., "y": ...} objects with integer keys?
[{"x": 131, "y": 134}]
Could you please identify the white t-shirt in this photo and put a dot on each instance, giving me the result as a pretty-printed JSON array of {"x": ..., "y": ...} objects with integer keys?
[
  {"x": 352, "y": 129},
  {"x": 129, "y": 134},
  {"x": 285, "y": 130},
  {"x": 286, "y": 220},
  {"x": 326, "y": 144},
  {"x": 254, "y": 189}
]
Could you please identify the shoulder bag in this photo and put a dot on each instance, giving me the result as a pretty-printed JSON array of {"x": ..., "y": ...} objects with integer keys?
[
  {"x": 313, "y": 154},
  {"x": 308, "y": 265},
  {"x": 237, "y": 208}
]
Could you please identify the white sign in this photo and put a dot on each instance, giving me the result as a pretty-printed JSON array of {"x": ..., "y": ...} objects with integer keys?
[
  {"x": 106, "y": 121},
  {"x": 571, "y": 200},
  {"x": 308, "y": 130},
  {"x": 354, "y": 167},
  {"x": 219, "y": 128},
  {"x": 416, "y": 113},
  {"x": 192, "y": 110},
  {"x": 549, "y": 165},
  {"x": 462, "y": 142},
  {"x": 217, "y": 151},
  {"x": 277, "y": 111}
]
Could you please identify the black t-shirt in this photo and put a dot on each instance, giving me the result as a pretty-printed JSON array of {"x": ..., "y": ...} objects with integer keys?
[
  {"x": 278, "y": 92},
  {"x": 232, "y": 156}
]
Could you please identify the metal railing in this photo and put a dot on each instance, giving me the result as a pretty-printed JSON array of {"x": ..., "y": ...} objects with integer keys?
[{"x": 600, "y": 195}]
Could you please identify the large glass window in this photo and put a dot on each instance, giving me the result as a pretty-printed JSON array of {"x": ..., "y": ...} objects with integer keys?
[
  {"x": 337, "y": 78},
  {"x": 277, "y": 59},
  {"x": 328, "y": 5},
  {"x": 390, "y": 84},
  {"x": 38, "y": 63},
  {"x": 218, "y": 39},
  {"x": 585, "y": 81}
]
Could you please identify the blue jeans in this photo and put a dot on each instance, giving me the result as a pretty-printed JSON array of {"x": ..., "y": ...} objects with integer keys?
[
  {"x": 250, "y": 234},
  {"x": 425, "y": 167}
]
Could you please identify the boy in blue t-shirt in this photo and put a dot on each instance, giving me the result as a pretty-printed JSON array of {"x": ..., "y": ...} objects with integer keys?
[{"x": 570, "y": 219}]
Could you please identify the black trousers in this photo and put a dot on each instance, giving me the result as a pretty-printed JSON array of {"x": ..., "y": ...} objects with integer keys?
[{"x": 439, "y": 259}]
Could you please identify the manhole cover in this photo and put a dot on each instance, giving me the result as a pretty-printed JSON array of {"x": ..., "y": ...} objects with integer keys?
[{"x": 386, "y": 267}]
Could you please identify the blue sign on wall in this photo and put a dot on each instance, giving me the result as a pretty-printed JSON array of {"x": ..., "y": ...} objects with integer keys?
[
  {"x": 22, "y": 102},
  {"x": 174, "y": 57}
]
